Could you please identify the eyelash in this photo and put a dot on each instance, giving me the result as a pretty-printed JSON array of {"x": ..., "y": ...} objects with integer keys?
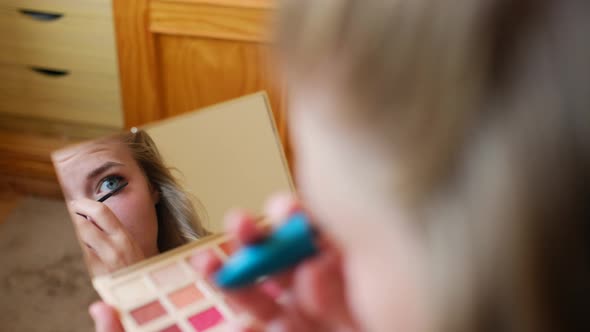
[{"x": 100, "y": 182}]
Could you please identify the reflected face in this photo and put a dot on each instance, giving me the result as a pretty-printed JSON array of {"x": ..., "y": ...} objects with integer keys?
[{"x": 94, "y": 169}]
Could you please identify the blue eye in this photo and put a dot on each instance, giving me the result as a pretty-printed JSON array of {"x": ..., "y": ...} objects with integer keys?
[{"x": 110, "y": 183}]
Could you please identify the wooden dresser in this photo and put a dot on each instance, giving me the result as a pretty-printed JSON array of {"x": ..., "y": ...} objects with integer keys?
[
  {"x": 58, "y": 61},
  {"x": 74, "y": 69},
  {"x": 58, "y": 83}
]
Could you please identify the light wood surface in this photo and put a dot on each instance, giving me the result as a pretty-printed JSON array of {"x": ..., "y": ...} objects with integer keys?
[
  {"x": 210, "y": 21},
  {"x": 79, "y": 43},
  {"x": 137, "y": 62},
  {"x": 90, "y": 8},
  {"x": 83, "y": 41},
  {"x": 25, "y": 165},
  {"x": 67, "y": 130},
  {"x": 201, "y": 72},
  {"x": 80, "y": 97},
  {"x": 8, "y": 201},
  {"x": 55, "y": 58},
  {"x": 262, "y": 4}
]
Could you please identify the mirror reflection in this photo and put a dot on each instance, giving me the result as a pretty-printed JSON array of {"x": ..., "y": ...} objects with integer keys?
[{"x": 136, "y": 194}]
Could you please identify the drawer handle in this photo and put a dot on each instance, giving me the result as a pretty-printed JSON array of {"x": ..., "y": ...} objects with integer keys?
[
  {"x": 41, "y": 16},
  {"x": 50, "y": 72}
]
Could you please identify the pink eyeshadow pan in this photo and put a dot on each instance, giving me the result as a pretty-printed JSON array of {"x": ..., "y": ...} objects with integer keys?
[
  {"x": 168, "y": 275},
  {"x": 228, "y": 247},
  {"x": 195, "y": 260},
  {"x": 148, "y": 312},
  {"x": 206, "y": 319},
  {"x": 172, "y": 328},
  {"x": 185, "y": 296}
]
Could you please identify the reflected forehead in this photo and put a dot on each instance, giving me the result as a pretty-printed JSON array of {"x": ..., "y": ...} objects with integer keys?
[
  {"x": 110, "y": 148},
  {"x": 75, "y": 165}
]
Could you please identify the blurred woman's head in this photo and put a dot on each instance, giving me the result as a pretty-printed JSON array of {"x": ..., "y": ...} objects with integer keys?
[{"x": 468, "y": 124}]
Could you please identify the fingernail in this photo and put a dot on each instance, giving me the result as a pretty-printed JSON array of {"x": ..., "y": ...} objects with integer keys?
[
  {"x": 275, "y": 207},
  {"x": 202, "y": 261}
]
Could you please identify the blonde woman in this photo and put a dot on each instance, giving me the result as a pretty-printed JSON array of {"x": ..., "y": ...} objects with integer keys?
[
  {"x": 443, "y": 152},
  {"x": 150, "y": 214}
]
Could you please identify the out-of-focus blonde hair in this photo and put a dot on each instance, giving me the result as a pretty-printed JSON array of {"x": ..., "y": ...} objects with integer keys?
[
  {"x": 487, "y": 107},
  {"x": 178, "y": 220}
]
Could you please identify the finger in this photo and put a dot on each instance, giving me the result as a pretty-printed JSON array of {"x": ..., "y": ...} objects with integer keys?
[
  {"x": 105, "y": 318},
  {"x": 90, "y": 235},
  {"x": 243, "y": 227},
  {"x": 255, "y": 301},
  {"x": 292, "y": 320},
  {"x": 113, "y": 253},
  {"x": 95, "y": 265},
  {"x": 206, "y": 263},
  {"x": 99, "y": 213},
  {"x": 272, "y": 288},
  {"x": 279, "y": 284},
  {"x": 280, "y": 206},
  {"x": 319, "y": 289},
  {"x": 126, "y": 248}
]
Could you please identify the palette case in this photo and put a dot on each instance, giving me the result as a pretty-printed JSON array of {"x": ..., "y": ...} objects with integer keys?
[{"x": 166, "y": 293}]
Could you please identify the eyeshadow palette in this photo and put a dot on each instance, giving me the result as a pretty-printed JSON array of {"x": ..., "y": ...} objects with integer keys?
[{"x": 167, "y": 294}]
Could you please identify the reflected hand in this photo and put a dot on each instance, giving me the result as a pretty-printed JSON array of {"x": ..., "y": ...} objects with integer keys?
[
  {"x": 106, "y": 243},
  {"x": 309, "y": 297}
]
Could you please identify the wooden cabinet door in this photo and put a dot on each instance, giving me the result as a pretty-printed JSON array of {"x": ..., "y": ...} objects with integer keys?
[
  {"x": 197, "y": 72},
  {"x": 178, "y": 56}
]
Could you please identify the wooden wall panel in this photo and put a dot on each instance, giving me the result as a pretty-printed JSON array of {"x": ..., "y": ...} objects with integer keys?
[
  {"x": 199, "y": 72},
  {"x": 137, "y": 62},
  {"x": 211, "y": 21},
  {"x": 261, "y": 4}
]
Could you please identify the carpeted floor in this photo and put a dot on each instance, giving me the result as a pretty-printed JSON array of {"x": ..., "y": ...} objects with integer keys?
[{"x": 44, "y": 285}]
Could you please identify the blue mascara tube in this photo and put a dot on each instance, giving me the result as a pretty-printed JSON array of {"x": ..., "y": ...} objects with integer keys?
[{"x": 287, "y": 246}]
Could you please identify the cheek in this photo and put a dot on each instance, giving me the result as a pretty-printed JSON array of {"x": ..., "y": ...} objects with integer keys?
[
  {"x": 386, "y": 290},
  {"x": 317, "y": 181}
]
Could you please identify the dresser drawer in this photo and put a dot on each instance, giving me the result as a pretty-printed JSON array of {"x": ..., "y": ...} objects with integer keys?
[
  {"x": 73, "y": 40},
  {"x": 90, "y": 8},
  {"x": 66, "y": 96}
]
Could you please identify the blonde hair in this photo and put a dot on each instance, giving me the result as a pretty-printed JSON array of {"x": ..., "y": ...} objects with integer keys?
[
  {"x": 178, "y": 220},
  {"x": 487, "y": 104}
]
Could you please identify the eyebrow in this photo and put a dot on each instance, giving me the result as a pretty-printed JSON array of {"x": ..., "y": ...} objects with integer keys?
[{"x": 102, "y": 168}]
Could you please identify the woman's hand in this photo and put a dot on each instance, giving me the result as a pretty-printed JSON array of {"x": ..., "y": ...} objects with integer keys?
[
  {"x": 106, "y": 244},
  {"x": 309, "y": 297}
]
